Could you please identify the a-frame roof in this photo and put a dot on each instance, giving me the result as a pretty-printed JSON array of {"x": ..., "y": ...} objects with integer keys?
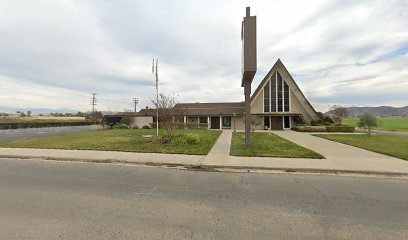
[{"x": 279, "y": 64}]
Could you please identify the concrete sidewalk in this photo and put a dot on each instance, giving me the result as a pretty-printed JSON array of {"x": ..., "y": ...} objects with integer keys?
[{"x": 339, "y": 157}]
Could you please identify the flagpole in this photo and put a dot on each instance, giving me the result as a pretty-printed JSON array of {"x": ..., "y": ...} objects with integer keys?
[{"x": 157, "y": 99}]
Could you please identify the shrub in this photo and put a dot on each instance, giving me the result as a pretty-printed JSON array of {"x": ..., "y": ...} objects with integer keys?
[
  {"x": 165, "y": 140},
  {"x": 179, "y": 141},
  {"x": 298, "y": 120},
  {"x": 146, "y": 127},
  {"x": 340, "y": 128},
  {"x": 314, "y": 123},
  {"x": 120, "y": 126},
  {"x": 186, "y": 139},
  {"x": 192, "y": 139},
  {"x": 319, "y": 122}
]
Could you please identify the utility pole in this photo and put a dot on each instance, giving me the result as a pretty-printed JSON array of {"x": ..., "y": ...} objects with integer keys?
[
  {"x": 93, "y": 104},
  {"x": 155, "y": 72},
  {"x": 135, "y": 102}
]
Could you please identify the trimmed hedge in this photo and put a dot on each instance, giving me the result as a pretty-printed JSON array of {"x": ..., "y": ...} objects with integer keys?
[
  {"x": 340, "y": 128},
  {"x": 182, "y": 125},
  {"x": 16, "y": 125},
  {"x": 309, "y": 129}
]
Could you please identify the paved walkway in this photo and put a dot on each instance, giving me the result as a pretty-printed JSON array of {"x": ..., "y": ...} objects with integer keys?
[
  {"x": 404, "y": 134},
  {"x": 345, "y": 156},
  {"x": 339, "y": 157},
  {"x": 220, "y": 151}
]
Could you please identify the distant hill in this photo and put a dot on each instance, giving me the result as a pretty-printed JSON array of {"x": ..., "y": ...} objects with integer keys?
[{"x": 381, "y": 111}]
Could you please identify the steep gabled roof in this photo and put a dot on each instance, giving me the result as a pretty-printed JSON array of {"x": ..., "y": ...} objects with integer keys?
[{"x": 278, "y": 64}]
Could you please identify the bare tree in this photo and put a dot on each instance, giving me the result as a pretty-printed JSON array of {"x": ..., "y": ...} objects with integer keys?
[
  {"x": 94, "y": 116},
  {"x": 168, "y": 115},
  {"x": 129, "y": 121},
  {"x": 338, "y": 113}
]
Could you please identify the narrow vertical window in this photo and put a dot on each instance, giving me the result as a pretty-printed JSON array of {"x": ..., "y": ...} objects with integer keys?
[
  {"x": 273, "y": 92},
  {"x": 286, "y": 96},
  {"x": 280, "y": 93},
  {"x": 266, "y": 98}
]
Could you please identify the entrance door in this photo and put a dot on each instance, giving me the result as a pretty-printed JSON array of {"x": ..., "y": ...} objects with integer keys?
[
  {"x": 226, "y": 122},
  {"x": 266, "y": 122},
  {"x": 215, "y": 122},
  {"x": 286, "y": 122},
  {"x": 276, "y": 123}
]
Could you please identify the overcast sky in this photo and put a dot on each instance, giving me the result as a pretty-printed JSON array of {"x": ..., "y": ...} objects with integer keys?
[{"x": 55, "y": 53}]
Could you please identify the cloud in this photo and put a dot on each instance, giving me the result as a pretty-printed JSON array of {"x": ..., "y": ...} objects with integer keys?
[{"x": 350, "y": 52}]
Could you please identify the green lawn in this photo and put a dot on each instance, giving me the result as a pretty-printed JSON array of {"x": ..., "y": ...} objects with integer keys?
[
  {"x": 396, "y": 146},
  {"x": 385, "y": 124},
  {"x": 120, "y": 140},
  {"x": 269, "y": 145}
]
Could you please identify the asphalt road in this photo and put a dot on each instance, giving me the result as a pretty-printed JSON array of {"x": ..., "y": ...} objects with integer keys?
[
  {"x": 62, "y": 200},
  {"x": 25, "y": 133}
]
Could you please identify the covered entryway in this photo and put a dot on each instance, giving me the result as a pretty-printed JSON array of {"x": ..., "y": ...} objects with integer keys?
[
  {"x": 215, "y": 122},
  {"x": 276, "y": 123}
]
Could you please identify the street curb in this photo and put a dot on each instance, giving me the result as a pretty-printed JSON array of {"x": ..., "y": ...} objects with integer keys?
[{"x": 216, "y": 168}]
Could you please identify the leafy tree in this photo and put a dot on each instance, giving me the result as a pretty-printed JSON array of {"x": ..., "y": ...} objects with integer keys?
[
  {"x": 28, "y": 113},
  {"x": 255, "y": 122},
  {"x": 367, "y": 121},
  {"x": 338, "y": 113}
]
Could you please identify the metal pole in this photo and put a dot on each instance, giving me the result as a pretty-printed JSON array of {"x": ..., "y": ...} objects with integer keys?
[{"x": 157, "y": 113}]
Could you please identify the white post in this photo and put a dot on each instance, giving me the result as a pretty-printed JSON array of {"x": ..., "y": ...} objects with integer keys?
[
  {"x": 220, "y": 122},
  {"x": 185, "y": 122},
  {"x": 208, "y": 122}
]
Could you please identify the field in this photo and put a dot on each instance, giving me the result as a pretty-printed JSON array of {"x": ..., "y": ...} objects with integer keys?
[
  {"x": 121, "y": 140},
  {"x": 269, "y": 145},
  {"x": 395, "y": 146},
  {"x": 384, "y": 124},
  {"x": 35, "y": 119}
]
